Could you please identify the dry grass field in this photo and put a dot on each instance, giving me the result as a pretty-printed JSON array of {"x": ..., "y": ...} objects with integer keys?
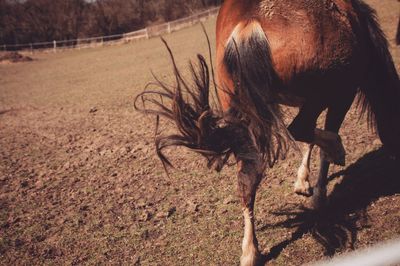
[{"x": 80, "y": 183}]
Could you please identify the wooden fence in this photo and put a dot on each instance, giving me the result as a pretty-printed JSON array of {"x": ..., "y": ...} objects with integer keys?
[{"x": 146, "y": 33}]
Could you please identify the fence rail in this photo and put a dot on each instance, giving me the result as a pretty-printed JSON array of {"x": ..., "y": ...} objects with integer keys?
[{"x": 145, "y": 33}]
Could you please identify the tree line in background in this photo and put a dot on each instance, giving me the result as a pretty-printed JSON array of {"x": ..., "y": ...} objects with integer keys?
[{"x": 30, "y": 21}]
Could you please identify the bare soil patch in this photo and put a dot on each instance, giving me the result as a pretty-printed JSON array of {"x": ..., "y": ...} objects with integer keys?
[{"x": 80, "y": 183}]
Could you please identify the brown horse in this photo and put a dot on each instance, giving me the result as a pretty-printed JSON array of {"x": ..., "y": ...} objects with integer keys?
[
  {"x": 398, "y": 33},
  {"x": 311, "y": 54}
]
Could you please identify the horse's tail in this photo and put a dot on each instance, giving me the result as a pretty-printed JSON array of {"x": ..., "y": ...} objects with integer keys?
[
  {"x": 380, "y": 91},
  {"x": 200, "y": 126},
  {"x": 253, "y": 118},
  {"x": 249, "y": 64}
]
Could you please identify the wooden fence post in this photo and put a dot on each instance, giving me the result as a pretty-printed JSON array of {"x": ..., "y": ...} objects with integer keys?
[
  {"x": 31, "y": 48},
  {"x": 5, "y": 47},
  {"x": 54, "y": 45}
]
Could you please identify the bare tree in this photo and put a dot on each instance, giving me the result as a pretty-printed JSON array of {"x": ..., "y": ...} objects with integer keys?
[{"x": 46, "y": 20}]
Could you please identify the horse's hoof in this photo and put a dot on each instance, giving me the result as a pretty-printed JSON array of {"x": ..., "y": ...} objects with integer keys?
[
  {"x": 337, "y": 159},
  {"x": 341, "y": 155},
  {"x": 319, "y": 199},
  {"x": 341, "y": 160},
  {"x": 303, "y": 189},
  {"x": 250, "y": 260},
  {"x": 307, "y": 193},
  {"x": 256, "y": 259}
]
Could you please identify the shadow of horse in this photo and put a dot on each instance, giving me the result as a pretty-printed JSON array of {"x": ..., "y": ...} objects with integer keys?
[{"x": 336, "y": 227}]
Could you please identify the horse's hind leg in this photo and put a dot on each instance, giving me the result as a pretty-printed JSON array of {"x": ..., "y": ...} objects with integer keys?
[
  {"x": 334, "y": 119},
  {"x": 250, "y": 175}
]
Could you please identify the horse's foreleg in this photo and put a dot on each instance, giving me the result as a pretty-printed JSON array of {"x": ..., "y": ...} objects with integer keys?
[
  {"x": 331, "y": 144},
  {"x": 302, "y": 185},
  {"x": 334, "y": 119},
  {"x": 302, "y": 129},
  {"x": 249, "y": 177},
  {"x": 332, "y": 151}
]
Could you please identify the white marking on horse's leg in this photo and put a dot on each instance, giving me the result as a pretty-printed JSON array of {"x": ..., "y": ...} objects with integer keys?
[
  {"x": 332, "y": 145},
  {"x": 302, "y": 184},
  {"x": 250, "y": 251}
]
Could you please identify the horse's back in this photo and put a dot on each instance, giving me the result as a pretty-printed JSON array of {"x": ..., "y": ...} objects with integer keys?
[{"x": 306, "y": 37}]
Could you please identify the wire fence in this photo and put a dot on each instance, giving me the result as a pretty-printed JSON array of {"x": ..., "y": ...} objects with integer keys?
[{"x": 146, "y": 33}]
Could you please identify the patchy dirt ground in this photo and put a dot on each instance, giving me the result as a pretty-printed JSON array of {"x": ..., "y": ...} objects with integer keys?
[{"x": 80, "y": 183}]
